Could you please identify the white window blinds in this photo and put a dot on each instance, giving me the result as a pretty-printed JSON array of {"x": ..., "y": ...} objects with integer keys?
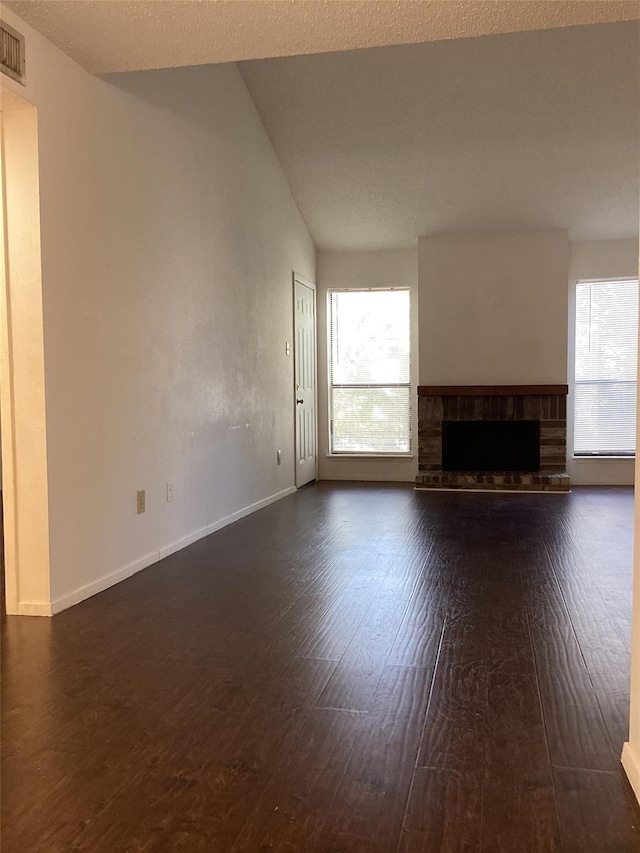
[
  {"x": 606, "y": 368},
  {"x": 369, "y": 371}
]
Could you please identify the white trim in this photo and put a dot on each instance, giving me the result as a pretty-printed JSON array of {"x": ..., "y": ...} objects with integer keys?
[
  {"x": 596, "y": 458},
  {"x": 611, "y": 278},
  {"x": 179, "y": 544},
  {"x": 367, "y": 289},
  {"x": 632, "y": 768},
  {"x": 572, "y": 459},
  {"x": 34, "y": 608},
  {"x": 409, "y": 385},
  {"x": 87, "y": 590},
  {"x": 223, "y": 522},
  {"x": 370, "y": 455},
  {"x": 7, "y": 416},
  {"x": 303, "y": 280}
]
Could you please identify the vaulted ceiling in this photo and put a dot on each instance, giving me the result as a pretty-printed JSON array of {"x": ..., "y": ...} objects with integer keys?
[
  {"x": 528, "y": 130},
  {"x": 515, "y": 128}
]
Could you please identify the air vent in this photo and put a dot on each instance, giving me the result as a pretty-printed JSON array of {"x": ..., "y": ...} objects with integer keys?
[{"x": 12, "y": 53}]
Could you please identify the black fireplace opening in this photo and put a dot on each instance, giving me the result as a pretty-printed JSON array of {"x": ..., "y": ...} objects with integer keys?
[{"x": 491, "y": 446}]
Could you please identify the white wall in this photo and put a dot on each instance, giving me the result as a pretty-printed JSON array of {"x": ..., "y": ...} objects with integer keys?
[
  {"x": 364, "y": 269},
  {"x": 605, "y": 259},
  {"x": 493, "y": 308},
  {"x": 169, "y": 237},
  {"x": 596, "y": 259}
]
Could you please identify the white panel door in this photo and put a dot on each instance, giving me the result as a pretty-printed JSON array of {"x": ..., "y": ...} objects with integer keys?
[{"x": 305, "y": 380}]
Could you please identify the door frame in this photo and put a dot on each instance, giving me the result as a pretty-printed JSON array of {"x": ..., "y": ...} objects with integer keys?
[
  {"x": 25, "y": 470},
  {"x": 297, "y": 278}
]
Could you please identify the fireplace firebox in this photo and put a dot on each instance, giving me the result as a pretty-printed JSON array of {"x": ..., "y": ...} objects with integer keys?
[
  {"x": 492, "y": 437},
  {"x": 491, "y": 446}
]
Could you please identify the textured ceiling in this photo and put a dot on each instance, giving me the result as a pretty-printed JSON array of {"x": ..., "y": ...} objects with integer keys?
[
  {"x": 435, "y": 133},
  {"x": 529, "y": 130},
  {"x": 129, "y": 35}
]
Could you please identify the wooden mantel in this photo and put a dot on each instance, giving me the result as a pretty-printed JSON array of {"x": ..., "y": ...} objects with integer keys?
[{"x": 490, "y": 390}]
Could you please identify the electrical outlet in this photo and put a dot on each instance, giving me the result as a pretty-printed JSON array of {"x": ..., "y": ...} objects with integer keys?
[
  {"x": 140, "y": 501},
  {"x": 169, "y": 492},
  {"x": 279, "y": 456}
]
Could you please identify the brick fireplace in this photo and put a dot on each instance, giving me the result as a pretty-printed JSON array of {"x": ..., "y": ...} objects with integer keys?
[{"x": 543, "y": 408}]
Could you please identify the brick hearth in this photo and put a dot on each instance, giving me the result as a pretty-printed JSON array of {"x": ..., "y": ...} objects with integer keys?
[{"x": 544, "y": 403}]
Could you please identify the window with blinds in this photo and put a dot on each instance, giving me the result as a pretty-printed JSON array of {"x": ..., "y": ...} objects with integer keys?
[
  {"x": 606, "y": 368},
  {"x": 369, "y": 371}
]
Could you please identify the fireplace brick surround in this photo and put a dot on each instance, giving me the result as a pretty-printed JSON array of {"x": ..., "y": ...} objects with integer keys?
[{"x": 544, "y": 403}]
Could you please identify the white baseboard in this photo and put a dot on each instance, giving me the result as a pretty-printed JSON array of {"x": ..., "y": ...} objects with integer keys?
[
  {"x": 86, "y": 591},
  {"x": 179, "y": 544},
  {"x": 34, "y": 608},
  {"x": 632, "y": 768},
  {"x": 241, "y": 513}
]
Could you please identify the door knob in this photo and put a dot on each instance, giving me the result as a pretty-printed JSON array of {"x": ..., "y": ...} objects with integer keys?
[{"x": 299, "y": 401}]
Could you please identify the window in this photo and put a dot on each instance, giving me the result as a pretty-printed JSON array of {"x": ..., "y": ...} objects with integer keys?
[
  {"x": 369, "y": 371},
  {"x": 606, "y": 368}
]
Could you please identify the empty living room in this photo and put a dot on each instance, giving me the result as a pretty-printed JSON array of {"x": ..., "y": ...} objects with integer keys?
[{"x": 318, "y": 393}]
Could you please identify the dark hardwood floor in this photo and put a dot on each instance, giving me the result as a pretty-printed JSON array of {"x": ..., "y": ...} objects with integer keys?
[{"x": 355, "y": 668}]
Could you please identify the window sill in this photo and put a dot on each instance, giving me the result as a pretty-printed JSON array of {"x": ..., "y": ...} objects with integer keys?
[
  {"x": 370, "y": 456},
  {"x": 603, "y": 458}
]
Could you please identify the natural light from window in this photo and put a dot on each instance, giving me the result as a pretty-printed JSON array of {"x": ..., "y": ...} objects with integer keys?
[
  {"x": 606, "y": 360},
  {"x": 369, "y": 371}
]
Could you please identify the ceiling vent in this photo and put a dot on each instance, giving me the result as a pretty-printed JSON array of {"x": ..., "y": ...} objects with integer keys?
[{"x": 11, "y": 52}]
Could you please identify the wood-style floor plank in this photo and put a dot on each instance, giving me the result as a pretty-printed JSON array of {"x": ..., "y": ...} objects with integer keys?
[
  {"x": 354, "y": 681},
  {"x": 516, "y": 769},
  {"x": 418, "y": 638},
  {"x": 595, "y": 811},
  {"x": 369, "y": 806},
  {"x": 292, "y": 811},
  {"x": 444, "y": 812},
  {"x": 577, "y": 733},
  {"x": 359, "y": 668},
  {"x": 454, "y": 729}
]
